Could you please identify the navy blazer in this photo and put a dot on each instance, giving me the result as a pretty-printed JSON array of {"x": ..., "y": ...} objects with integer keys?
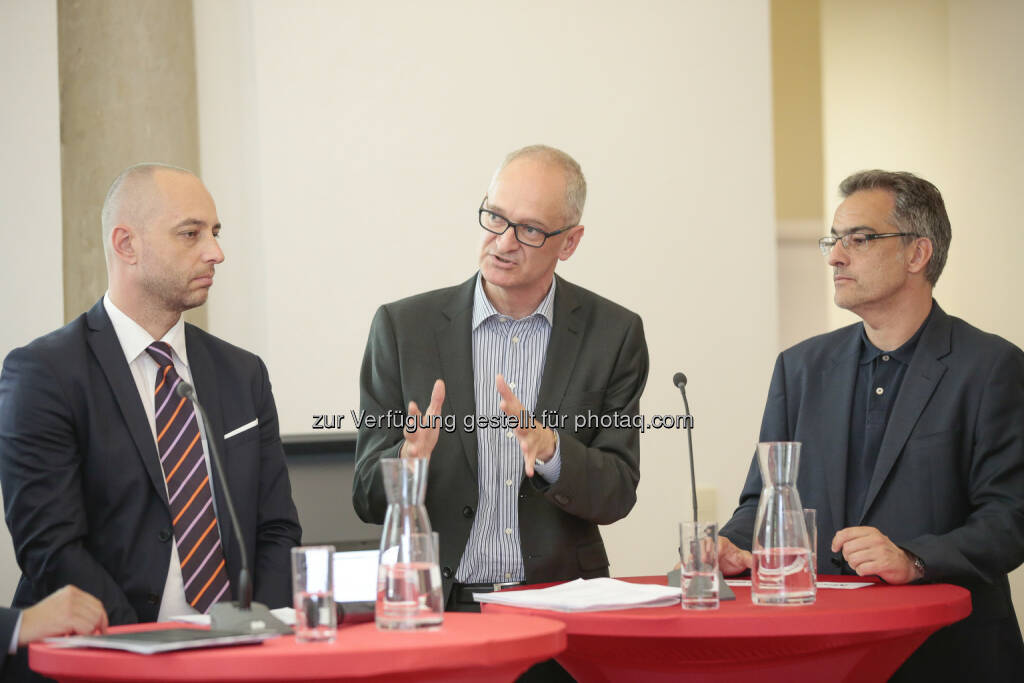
[
  {"x": 949, "y": 481},
  {"x": 83, "y": 488}
]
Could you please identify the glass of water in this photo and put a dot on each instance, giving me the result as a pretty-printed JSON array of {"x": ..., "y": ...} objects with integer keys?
[
  {"x": 698, "y": 555},
  {"x": 313, "y": 589}
]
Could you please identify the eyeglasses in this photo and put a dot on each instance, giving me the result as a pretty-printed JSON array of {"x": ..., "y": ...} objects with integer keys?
[
  {"x": 526, "y": 234},
  {"x": 856, "y": 241}
]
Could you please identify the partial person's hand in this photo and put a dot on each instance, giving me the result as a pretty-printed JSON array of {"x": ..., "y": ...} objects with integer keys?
[
  {"x": 535, "y": 441},
  {"x": 732, "y": 560},
  {"x": 870, "y": 552},
  {"x": 419, "y": 443},
  {"x": 69, "y": 610}
]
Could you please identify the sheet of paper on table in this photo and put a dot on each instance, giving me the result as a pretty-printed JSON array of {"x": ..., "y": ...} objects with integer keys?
[
  {"x": 285, "y": 614},
  {"x": 840, "y": 585},
  {"x": 587, "y": 595}
]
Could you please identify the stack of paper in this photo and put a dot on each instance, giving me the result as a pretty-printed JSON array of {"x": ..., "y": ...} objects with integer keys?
[{"x": 587, "y": 595}]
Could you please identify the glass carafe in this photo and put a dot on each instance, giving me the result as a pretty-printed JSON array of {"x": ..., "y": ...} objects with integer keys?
[
  {"x": 408, "y": 577},
  {"x": 782, "y": 572}
]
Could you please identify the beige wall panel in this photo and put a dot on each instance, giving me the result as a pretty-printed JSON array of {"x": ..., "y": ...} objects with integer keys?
[{"x": 128, "y": 94}]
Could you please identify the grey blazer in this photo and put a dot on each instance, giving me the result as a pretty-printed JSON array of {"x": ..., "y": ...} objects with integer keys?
[{"x": 597, "y": 361}]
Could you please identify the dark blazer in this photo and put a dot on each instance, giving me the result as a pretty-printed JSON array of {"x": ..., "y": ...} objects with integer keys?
[
  {"x": 949, "y": 481},
  {"x": 596, "y": 361},
  {"x": 8, "y": 620},
  {"x": 83, "y": 489}
]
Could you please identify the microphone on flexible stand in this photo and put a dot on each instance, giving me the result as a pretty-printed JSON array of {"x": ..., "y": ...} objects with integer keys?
[
  {"x": 674, "y": 577},
  {"x": 244, "y": 615}
]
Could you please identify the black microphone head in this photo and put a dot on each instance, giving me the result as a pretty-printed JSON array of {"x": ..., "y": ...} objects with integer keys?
[
  {"x": 185, "y": 390},
  {"x": 679, "y": 379}
]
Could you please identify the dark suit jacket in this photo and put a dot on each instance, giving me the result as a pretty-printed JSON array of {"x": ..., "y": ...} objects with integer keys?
[
  {"x": 596, "y": 361},
  {"x": 83, "y": 488},
  {"x": 8, "y": 620},
  {"x": 949, "y": 482}
]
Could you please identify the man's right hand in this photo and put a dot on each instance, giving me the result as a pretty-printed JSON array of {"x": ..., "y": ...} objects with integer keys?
[
  {"x": 732, "y": 560},
  {"x": 419, "y": 443},
  {"x": 69, "y": 610}
]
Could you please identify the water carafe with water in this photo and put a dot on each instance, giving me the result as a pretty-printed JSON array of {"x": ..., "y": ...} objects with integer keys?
[
  {"x": 408, "y": 577},
  {"x": 782, "y": 572}
]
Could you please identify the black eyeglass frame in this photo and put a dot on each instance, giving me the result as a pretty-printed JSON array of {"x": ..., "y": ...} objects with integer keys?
[
  {"x": 825, "y": 244},
  {"x": 515, "y": 226}
]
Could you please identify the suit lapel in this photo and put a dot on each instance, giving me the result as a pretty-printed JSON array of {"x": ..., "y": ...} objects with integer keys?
[
  {"x": 563, "y": 347},
  {"x": 455, "y": 349},
  {"x": 105, "y": 346},
  {"x": 919, "y": 384},
  {"x": 832, "y": 415},
  {"x": 208, "y": 391}
]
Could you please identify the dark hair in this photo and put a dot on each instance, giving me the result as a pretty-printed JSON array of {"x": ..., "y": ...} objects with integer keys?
[{"x": 918, "y": 209}]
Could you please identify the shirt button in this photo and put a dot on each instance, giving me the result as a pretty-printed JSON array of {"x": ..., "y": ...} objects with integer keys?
[
  {"x": 508, "y": 482},
  {"x": 509, "y": 435},
  {"x": 508, "y": 532},
  {"x": 879, "y": 391},
  {"x": 507, "y": 575},
  {"x": 511, "y": 385},
  {"x": 885, "y": 357},
  {"x": 515, "y": 340}
]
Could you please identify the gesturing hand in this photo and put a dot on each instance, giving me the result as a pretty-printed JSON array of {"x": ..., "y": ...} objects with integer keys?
[
  {"x": 536, "y": 442},
  {"x": 420, "y": 442}
]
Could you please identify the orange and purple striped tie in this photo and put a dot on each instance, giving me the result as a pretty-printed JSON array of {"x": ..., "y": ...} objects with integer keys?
[{"x": 188, "y": 487}]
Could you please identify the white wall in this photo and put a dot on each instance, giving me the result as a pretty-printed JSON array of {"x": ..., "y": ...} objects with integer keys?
[
  {"x": 936, "y": 88},
  {"x": 31, "y": 300},
  {"x": 349, "y": 145}
]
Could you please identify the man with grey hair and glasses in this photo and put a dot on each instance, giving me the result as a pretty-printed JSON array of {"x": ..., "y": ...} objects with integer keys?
[
  {"x": 912, "y": 425},
  {"x": 520, "y": 502}
]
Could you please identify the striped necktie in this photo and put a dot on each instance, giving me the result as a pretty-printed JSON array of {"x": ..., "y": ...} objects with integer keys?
[{"x": 188, "y": 487}]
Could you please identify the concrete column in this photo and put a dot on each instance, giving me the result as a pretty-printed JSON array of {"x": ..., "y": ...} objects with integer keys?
[{"x": 127, "y": 94}]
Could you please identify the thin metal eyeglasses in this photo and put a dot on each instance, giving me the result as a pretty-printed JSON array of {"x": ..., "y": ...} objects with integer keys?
[
  {"x": 856, "y": 241},
  {"x": 525, "y": 233}
]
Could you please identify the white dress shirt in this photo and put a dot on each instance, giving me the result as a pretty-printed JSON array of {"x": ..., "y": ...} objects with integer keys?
[{"x": 134, "y": 341}]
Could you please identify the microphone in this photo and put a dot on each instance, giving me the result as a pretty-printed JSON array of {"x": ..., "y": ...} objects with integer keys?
[
  {"x": 244, "y": 615},
  {"x": 724, "y": 591},
  {"x": 679, "y": 379}
]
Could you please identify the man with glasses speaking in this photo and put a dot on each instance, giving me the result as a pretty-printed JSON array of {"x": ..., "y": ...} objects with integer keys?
[
  {"x": 516, "y": 354},
  {"x": 912, "y": 425}
]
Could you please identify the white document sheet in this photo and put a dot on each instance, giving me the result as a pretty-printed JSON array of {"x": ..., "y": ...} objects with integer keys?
[{"x": 587, "y": 595}]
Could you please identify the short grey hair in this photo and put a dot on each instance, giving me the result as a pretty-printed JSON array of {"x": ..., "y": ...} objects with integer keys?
[
  {"x": 575, "y": 183},
  {"x": 918, "y": 209},
  {"x": 123, "y": 195}
]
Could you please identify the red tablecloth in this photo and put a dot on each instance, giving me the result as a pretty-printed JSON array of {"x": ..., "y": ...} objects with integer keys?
[
  {"x": 847, "y": 635},
  {"x": 468, "y": 647}
]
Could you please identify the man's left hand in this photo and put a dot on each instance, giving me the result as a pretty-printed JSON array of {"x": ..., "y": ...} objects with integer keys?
[
  {"x": 535, "y": 441},
  {"x": 870, "y": 552}
]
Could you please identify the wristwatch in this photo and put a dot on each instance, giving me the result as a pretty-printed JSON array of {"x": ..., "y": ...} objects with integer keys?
[{"x": 918, "y": 564}]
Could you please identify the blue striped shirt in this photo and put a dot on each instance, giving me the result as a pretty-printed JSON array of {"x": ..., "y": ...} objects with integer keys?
[{"x": 516, "y": 349}]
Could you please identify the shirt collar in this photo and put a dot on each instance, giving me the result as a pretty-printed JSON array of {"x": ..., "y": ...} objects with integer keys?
[
  {"x": 135, "y": 339},
  {"x": 483, "y": 309},
  {"x": 904, "y": 354}
]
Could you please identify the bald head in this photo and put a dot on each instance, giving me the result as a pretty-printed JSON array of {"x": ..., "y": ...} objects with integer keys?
[{"x": 134, "y": 198}]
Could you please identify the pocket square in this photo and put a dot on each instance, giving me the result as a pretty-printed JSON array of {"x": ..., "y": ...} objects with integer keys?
[{"x": 247, "y": 426}]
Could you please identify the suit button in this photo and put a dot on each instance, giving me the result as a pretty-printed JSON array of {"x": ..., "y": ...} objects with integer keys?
[
  {"x": 561, "y": 499},
  {"x": 153, "y": 599},
  {"x": 467, "y": 512},
  {"x": 446, "y": 572},
  {"x": 522, "y": 496},
  {"x": 164, "y": 535}
]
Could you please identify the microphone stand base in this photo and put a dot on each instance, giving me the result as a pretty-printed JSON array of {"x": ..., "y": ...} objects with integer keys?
[
  {"x": 724, "y": 590},
  {"x": 228, "y": 616}
]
